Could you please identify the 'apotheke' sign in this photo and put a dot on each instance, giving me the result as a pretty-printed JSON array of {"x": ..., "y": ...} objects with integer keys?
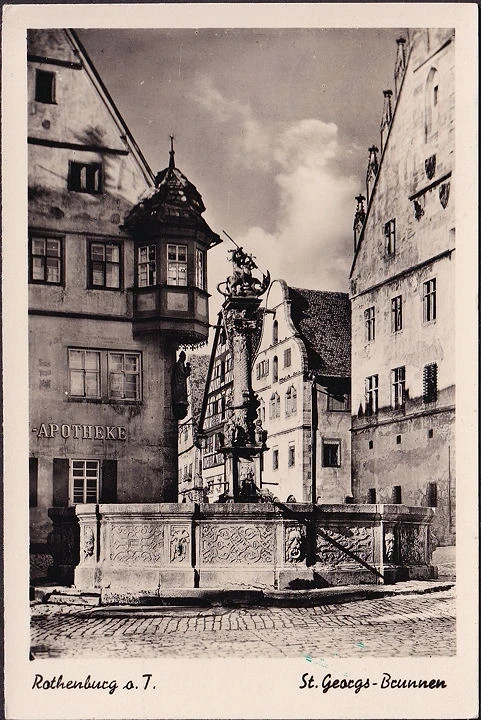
[{"x": 81, "y": 432}]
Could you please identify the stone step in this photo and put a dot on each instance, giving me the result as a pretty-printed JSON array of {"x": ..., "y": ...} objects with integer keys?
[{"x": 64, "y": 595}]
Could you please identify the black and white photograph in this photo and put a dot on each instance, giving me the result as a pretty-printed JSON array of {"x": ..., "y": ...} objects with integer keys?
[{"x": 240, "y": 360}]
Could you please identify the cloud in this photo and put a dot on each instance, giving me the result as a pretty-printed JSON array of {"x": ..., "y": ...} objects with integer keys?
[{"x": 311, "y": 245}]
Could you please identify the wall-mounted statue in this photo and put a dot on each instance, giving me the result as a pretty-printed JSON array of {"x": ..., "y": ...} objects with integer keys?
[{"x": 180, "y": 373}]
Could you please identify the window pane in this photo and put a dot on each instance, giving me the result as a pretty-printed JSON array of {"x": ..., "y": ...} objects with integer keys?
[
  {"x": 116, "y": 383},
  {"x": 97, "y": 252},
  {"x": 172, "y": 252},
  {"x": 116, "y": 362},
  {"x": 78, "y": 471},
  {"x": 97, "y": 273},
  {"x": 112, "y": 253},
  {"x": 182, "y": 274},
  {"x": 112, "y": 276},
  {"x": 38, "y": 246},
  {"x": 92, "y": 360},
  {"x": 182, "y": 252},
  {"x": 91, "y": 384},
  {"x": 38, "y": 268},
  {"x": 77, "y": 383},
  {"x": 92, "y": 464},
  {"x": 53, "y": 248},
  {"x": 131, "y": 362}
]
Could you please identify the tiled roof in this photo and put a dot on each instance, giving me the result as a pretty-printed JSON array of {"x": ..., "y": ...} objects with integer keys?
[
  {"x": 323, "y": 320},
  {"x": 199, "y": 365}
]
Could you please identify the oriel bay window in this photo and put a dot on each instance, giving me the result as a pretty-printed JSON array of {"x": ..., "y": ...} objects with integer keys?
[
  {"x": 146, "y": 265},
  {"x": 200, "y": 275},
  {"x": 124, "y": 375},
  {"x": 177, "y": 265},
  {"x": 46, "y": 260},
  {"x": 104, "y": 265}
]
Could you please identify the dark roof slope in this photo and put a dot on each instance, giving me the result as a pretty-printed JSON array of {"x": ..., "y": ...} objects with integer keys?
[
  {"x": 323, "y": 320},
  {"x": 199, "y": 365}
]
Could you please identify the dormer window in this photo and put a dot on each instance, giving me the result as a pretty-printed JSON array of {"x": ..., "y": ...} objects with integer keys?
[{"x": 177, "y": 265}]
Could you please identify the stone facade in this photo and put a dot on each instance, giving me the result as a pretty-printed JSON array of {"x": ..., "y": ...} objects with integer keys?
[
  {"x": 134, "y": 551},
  {"x": 286, "y": 366},
  {"x": 402, "y": 295},
  {"x": 108, "y": 305}
]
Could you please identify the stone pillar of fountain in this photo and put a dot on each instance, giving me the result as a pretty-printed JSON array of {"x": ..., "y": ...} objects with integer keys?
[{"x": 244, "y": 438}]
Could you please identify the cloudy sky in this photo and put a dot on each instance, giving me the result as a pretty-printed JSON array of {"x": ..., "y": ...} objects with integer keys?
[{"x": 271, "y": 125}]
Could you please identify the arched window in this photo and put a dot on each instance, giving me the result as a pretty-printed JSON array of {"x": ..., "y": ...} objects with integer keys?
[
  {"x": 275, "y": 332},
  {"x": 291, "y": 401},
  {"x": 275, "y": 369},
  {"x": 274, "y": 406},
  {"x": 431, "y": 104}
]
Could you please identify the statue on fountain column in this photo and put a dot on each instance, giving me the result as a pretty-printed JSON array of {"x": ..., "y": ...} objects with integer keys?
[{"x": 242, "y": 283}]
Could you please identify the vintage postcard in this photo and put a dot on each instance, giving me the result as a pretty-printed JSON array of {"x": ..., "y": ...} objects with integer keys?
[{"x": 240, "y": 360}]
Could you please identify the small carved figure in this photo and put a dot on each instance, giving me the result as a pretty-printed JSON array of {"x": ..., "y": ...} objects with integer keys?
[
  {"x": 180, "y": 374},
  {"x": 389, "y": 541},
  {"x": 88, "y": 543},
  {"x": 178, "y": 545},
  {"x": 293, "y": 545}
]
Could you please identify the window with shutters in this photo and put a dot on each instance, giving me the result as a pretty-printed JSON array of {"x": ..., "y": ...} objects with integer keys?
[
  {"x": 396, "y": 314},
  {"x": 287, "y": 358},
  {"x": 84, "y": 482},
  {"x": 177, "y": 265},
  {"x": 45, "y": 86},
  {"x": 430, "y": 383},
  {"x": 262, "y": 369},
  {"x": 429, "y": 300},
  {"x": 33, "y": 481},
  {"x": 331, "y": 453},
  {"x": 146, "y": 265},
  {"x": 104, "y": 265},
  {"x": 398, "y": 387},
  {"x": 85, "y": 177},
  {"x": 370, "y": 324},
  {"x": 46, "y": 259},
  {"x": 371, "y": 395}
]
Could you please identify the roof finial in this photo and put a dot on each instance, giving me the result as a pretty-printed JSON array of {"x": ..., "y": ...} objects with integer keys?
[{"x": 171, "y": 153}]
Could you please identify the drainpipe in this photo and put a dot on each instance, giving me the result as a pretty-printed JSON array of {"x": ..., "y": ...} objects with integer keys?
[{"x": 314, "y": 427}]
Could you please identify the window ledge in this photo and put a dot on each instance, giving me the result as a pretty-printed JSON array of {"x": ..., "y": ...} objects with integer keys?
[{"x": 104, "y": 401}]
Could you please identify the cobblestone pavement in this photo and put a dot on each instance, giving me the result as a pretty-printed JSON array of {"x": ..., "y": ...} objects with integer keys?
[{"x": 403, "y": 625}]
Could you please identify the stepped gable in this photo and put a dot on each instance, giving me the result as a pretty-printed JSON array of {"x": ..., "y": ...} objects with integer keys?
[{"x": 323, "y": 320}]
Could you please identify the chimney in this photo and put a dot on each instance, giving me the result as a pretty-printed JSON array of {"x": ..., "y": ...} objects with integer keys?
[
  {"x": 400, "y": 66},
  {"x": 386, "y": 117},
  {"x": 359, "y": 217},
  {"x": 372, "y": 168}
]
